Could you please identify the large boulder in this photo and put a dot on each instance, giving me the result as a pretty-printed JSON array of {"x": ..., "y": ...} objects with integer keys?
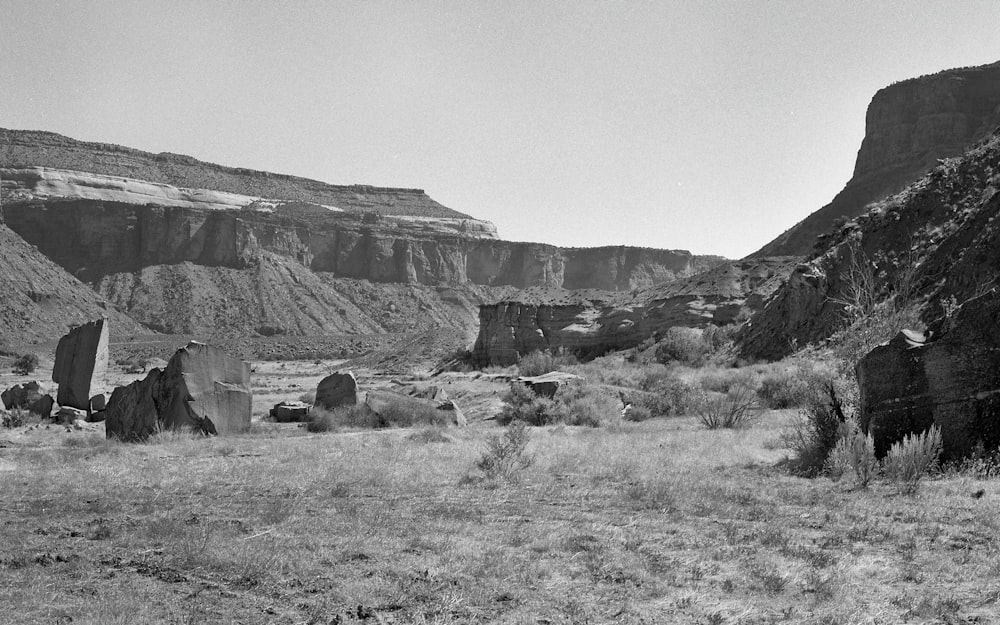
[
  {"x": 950, "y": 379},
  {"x": 290, "y": 411},
  {"x": 28, "y": 397},
  {"x": 201, "y": 389},
  {"x": 337, "y": 389},
  {"x": 81, "y": 358}
]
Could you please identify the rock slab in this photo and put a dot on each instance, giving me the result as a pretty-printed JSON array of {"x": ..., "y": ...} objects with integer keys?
[
  {"x": 337, "y": 389},
  {"x": 290, "y": 411},
  {"x": 951, "y": 380},
  {"x": 201, "y": 389},
  {"x": 81, "y": 358}
]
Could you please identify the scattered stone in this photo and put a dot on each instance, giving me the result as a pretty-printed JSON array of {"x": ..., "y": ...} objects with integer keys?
[
  {"x": 202, "y": 389},
  {"x": 547, "y": 384},
  {"x": 28, "y": 397},
  {"x": 81, "y": 358},
  {"x": 951, "y": 378},
  {"x": 337, "y": 389},
  {"x": 290, "y": 411}
]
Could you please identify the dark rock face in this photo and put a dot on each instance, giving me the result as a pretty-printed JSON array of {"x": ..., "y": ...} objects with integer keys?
[
  {"x": 908, "y": 127},
  {"x": 952, "y": 381},
  {"x": 202, "y": 389},
  {"x": 337, "y": 389},
  {"x": 28, "y": 397},
  {"x": 936, "y": 242},
  {"x": 286, "y": 412},
  {"x": 81, "y": 357}
]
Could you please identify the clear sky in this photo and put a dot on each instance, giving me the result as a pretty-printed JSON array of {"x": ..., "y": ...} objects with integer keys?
[{"x": 700, "y": 125}]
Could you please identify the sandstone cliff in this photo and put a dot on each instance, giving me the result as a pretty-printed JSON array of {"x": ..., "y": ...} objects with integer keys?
[
  {"x": 937, "y": 243},
  {"x": 591, "y": 322},
  {"x": 908, "y": 127}
]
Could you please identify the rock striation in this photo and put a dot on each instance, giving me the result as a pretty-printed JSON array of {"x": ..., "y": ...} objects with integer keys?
[
  {"x": 909, "y": 126},
  {"x": 590, "y": 322},
  {"x": 202, "y": 389},
  {"x": 950, "y": 379},
  {"x": 81, "y": 360}
]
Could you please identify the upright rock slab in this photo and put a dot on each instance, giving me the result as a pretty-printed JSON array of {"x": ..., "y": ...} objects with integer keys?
[
  {"x": 337, "y": 389},
  {"x": 951, "y": 380},
  {"x": 201, "y": 389},
  {"x": 81, "y": 358}
]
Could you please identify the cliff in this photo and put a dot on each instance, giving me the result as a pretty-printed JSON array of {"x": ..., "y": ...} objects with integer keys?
[
  {"x": 909, "y": 126},
  {"x": 591, "y": 322},
  {"x": 936, "y": 244}
]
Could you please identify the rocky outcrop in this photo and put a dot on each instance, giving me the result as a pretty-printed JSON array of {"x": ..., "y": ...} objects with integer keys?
[
  {"x": 336, "y": 390},
  {"x": 909, "y": 126},
  {"x": 202, "y": 389},
  {"x": 590, "y": 322},
  {"x": 81, "y": 360},
  {"x": 932, "y": 246},
  {"x": 28, "y": 397},
  {"x": 951, "y": 380}
]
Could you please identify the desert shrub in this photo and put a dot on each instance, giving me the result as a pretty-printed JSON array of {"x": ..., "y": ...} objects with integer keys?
[
  {"x": 16, "y": 418},
  {"x": 982, "y": 463},
  {"x": 506, "y": 454},
  {"x": 734, "y": 409},
  {"x": 855, "y": 453},
  {"x": 541, "y": 362},
  {"x": 308, "y": 397},
  {"x": 665, "y": 395},
  {"x": 26, "y": 364},
  {"x": 815, "y": 432},
  {"x": 913, "y": 457},
  {"x": 718, "y": 338},
  {"x": 429, "y": 434},
  {"x": 792, "y": 386},
  {"x": 638, "y": 413},
  {"x": 393, "y": 415},
  {"x": 574, "y": 404},
  {"x": 721, "y": 380},
  {"x": 683, "y": 345}
]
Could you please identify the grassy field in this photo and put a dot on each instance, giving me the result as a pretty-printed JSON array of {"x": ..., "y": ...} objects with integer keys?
[{"x": 654, "y": 522}]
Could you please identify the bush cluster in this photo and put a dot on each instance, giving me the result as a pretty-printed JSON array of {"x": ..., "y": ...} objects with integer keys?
[
  {"x": 693, "y": 347},
  {"x": 26, "y": 364},
  {"x": 734, "y": 409},
  {"x": 574, "y": 404},
  {"x": 665, "y": 394},
  {"x": 394, "y": 415},
  {"x": 542, "y": 362}
]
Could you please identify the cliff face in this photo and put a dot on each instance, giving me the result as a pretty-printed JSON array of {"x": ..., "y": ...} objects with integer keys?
[
  {"x": 908, "y": 127},
  {"x": 937, "y": 244},
  {"x": 594, "y": 322}
]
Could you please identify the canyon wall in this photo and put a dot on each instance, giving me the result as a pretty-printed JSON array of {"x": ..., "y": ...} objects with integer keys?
[{"x": 909, "y": 126}]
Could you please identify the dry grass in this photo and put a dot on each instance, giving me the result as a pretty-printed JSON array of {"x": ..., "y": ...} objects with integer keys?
[{"x": 660, "y": 521}]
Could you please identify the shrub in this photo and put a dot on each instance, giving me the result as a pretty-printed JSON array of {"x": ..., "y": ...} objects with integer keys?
[
  {"x": 505, "y": 454},
  {"x": 574, "y": 404},
  {"x": 855, "y": 452},
  {"x": 15, "y": 418},
  {"x": 814, "y": 434},
  {"x": 541, "y": 362},
  {"x": 912, "y": 458},
  {"x": 26, "y": 364},
  {"x": 393, "y": 415},
  {"x": 665, "y": 395},
  {"x": 784, "y": 389},
  {"x": 734, "y": 409},
  {"x": 308, "y": 397},
  {"x": 683, "y": 345},
  {"x": 638, "y": 413}
]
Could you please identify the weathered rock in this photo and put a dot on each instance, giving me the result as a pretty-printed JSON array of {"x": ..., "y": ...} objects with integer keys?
[
  {"x": 98, "y": 403},
  {"x": 337, "y": 389},
  {"x": 547, "y": 384},
  {"x": 457, "y": 416},
  {"x": 202, "y": 389},
  {"x": 28, "y": 397},
  {"x": 81, "y": 358},
  {"x": 68, "y": 415},
  {"x": 951, "y": 380},
  {"x": 398, "y": 409},
  {"x": 289, "y": 411}
]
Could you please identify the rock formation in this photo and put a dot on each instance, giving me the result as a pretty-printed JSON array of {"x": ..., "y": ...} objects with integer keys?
[
  {"x": 935, "y": 244},
  {"x": 28, "y": 397},
  {"x": 593, "y": 322},
  {"x": 909, "y": 126},
  {"x": 337, "y": 389},
  {"x": 951, "y": 380},
  {"x": 290, "y": 411},
  {"x": 81, "y": 359},
  {"x": 547, "y": 384},
  {"x": 201, "y": 389}
]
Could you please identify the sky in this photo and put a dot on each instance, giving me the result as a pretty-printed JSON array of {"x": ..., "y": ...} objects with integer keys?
[{"x": 704, "y": 125}]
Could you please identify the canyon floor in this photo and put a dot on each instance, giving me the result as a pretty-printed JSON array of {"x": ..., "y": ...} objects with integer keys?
[{"x": 652, "y": 522}]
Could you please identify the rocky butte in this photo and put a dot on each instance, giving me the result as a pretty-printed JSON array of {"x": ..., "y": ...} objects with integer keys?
[{"x": 190, "y": 247}]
